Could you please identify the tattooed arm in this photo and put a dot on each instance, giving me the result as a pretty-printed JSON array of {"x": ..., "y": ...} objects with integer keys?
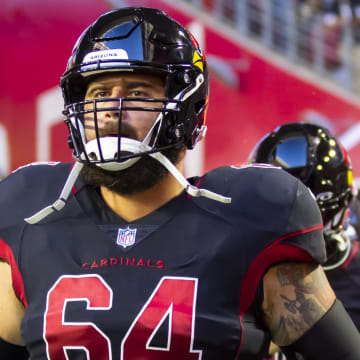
[{"x": 296, "y": 296}]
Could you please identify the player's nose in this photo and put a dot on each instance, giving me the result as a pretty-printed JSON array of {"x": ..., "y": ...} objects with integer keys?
[{"x": 114, "y": 111}]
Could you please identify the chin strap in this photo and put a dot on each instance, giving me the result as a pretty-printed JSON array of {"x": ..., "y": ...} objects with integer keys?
[
  {"x": 61, "y": 201},
  {"x": 190, "y": 189},
  {"x": 74, "y": 174}
]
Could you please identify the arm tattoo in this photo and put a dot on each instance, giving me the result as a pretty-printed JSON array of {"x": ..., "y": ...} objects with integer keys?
[{"x": 299, "y": 298}]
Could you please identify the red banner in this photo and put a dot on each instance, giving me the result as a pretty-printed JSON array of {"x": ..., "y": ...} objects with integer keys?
[{"x": 250, "y": 95}]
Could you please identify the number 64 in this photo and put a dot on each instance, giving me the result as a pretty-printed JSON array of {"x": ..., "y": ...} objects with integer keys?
[{"x": 173, "y": 297}]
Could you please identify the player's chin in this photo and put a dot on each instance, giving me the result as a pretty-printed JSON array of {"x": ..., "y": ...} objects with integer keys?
[{"x": 138, "y": 178}]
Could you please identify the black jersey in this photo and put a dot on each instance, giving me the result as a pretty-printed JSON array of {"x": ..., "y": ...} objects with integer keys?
[
  {"x": 180, "y": 283},
  {"x": 345, "y": 281}
]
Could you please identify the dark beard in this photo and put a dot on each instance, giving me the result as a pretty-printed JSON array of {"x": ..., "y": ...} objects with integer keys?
[{"x": 141, "y": 176}]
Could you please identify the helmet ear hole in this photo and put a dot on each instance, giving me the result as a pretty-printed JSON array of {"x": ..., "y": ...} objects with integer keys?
[
  {"x": 176, "y": 133},
  {"x": 184, "y": 77}
]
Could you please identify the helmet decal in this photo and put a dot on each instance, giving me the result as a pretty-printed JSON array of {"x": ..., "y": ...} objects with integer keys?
[
  {"x": 195, "y": 43},
  {"x": 198, "y": 61},
  {"x": 106, "y": 55},
  {"x": 350, "y": 178}
]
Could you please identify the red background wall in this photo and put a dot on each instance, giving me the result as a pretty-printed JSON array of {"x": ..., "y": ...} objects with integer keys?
[{"x": 249, "y": 98}]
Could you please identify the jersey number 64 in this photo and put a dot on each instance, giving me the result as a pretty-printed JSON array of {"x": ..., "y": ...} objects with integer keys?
[{"x": 173, "y": 297}]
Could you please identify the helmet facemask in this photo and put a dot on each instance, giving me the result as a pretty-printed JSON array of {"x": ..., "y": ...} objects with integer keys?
[
  {"x": 115, "y": 149},
  {"x": 180, "y": 120}
]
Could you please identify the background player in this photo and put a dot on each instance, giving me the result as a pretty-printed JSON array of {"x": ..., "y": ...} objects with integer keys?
[
  {"x": 312, "y": 154},
  {"x": 104, "y": 272}
]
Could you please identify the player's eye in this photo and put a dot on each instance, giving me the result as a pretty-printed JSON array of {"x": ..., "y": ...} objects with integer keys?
[
  {"x": 101, "y": 94},
  {"x": 138, "y": 94}
]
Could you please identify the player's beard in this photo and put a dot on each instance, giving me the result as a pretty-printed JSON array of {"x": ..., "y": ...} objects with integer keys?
[{"x": 141, "y": 176}]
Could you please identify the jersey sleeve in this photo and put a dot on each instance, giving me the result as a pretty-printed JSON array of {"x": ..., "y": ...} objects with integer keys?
[
  {"x": 289, "y": 220},
  {"x": 272, "y": 218},
  {"x": 284, "y": 222},
  {"x": 304, "y": 228},
  {"x": 272, "y": 213},
  {"x": 22, "y": 193}
]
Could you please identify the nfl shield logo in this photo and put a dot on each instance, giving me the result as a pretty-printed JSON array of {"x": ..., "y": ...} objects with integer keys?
[{"x": 126, "y": 237}]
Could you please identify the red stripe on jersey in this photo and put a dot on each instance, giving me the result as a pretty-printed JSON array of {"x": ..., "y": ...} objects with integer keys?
[
  {"x": 17, "y": 280},
  {"x": 272, "y": 254},
  {"x": 354, "y": 251}
]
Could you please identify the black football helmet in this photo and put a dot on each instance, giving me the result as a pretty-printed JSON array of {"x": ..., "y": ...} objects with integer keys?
[
  {"x": 142, "y": 40},
  {"x": 310, "y": 153},
  {"x": 139, "y": 40}
]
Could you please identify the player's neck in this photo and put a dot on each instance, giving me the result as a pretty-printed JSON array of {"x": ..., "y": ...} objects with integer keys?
[{"x": 136, "y": 206}]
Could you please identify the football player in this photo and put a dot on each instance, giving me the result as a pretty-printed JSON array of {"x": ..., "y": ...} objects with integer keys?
[
  {"x": 313, "y": 155},
  {"x": 133, "y": 261}
]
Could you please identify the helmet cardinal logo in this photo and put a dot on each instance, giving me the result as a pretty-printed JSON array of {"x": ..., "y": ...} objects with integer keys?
[
  {"x": 198, "y": 61},
  {"x": 126, "y": 237}
]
